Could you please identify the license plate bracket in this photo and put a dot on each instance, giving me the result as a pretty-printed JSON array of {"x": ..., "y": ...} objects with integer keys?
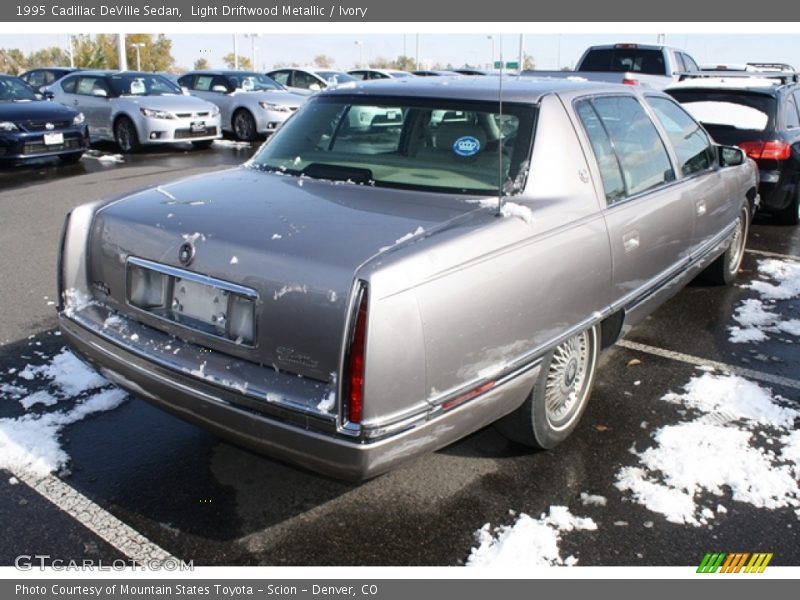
[
  {"x": 201, "y": 303},
  {"x": 197, "y": 126}
]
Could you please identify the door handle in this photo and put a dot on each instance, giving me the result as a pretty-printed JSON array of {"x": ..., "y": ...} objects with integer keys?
[
  {"x": 630, "y": 241},
  {"x": 701, "y": 207}
]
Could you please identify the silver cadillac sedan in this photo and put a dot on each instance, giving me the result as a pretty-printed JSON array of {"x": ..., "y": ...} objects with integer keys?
[
  {"x": 360, "y": 293},
  {"x": 134, "y": 109},
  {"x": 250, "y": 104}
]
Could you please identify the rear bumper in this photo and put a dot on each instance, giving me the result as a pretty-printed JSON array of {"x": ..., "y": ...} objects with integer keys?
[
  {"x": 298, "y": 441},
  {"x": 777, "y": 188}
]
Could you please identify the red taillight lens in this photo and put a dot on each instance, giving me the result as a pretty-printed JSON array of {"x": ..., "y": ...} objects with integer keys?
[
  {"x": 626, "y": 81},
  {"x": 355, "y": 390},
  {"x": 772, "y": 150}
]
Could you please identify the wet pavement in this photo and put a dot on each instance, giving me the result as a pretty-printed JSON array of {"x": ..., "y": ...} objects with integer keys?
[{"x": 205, "y": 500}]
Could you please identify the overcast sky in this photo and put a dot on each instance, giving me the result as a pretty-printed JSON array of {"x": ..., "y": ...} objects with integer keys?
[{"x": 550, "y": 51}]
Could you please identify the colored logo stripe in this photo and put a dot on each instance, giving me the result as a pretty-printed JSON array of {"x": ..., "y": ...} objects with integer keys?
[{"x": 734, "y": 562}]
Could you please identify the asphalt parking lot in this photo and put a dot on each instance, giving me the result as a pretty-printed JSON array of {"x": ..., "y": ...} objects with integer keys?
[{"x": 137, "y": 482}]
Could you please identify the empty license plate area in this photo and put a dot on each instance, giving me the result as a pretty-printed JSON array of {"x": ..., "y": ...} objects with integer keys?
[
  {"x": 197, "y": 126},
  {"x": 213, "y": 306}
]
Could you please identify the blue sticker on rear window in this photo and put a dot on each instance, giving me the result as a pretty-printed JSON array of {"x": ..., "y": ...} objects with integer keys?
[{"x": 467, "y": 146}]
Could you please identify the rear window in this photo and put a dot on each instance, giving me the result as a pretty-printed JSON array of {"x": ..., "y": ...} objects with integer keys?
[
  {"x": 437, "y": 145},
  {"x": 730, "y": 109},
  {"x": 619, "y": 60}
]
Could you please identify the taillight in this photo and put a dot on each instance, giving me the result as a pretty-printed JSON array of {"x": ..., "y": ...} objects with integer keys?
[
  {"x": 355, "y": 363},
  {"x": 771, "y": 150},
  {"x": 626, "y": 81}
]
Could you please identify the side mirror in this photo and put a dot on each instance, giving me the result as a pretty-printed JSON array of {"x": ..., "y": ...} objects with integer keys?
[
  {"x": 315, "y": 87},
  {"x": 220, "y": 88},
  {"x": 48, "y": 95},
  {"x": 730, "y": 156},
  {"x": 100, "y": 93}
]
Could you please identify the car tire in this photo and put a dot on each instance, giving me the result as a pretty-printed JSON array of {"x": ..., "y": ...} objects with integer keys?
[
  {"x": 724, "y": 270},
  {"x": 791, "y": 214},
  {"x": 202, "y": 144},
  {"x": 70, "y": 158},
  {"x": 554, "y": 407},
  {"x": 126, "y": 136},
  {"x": 244, "y": 125}
]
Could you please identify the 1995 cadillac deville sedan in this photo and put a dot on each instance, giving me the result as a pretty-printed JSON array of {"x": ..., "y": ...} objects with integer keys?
[{"x": 405, "y": 262}]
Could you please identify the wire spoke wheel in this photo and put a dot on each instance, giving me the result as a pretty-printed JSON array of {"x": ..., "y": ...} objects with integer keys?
[
  {"x": 560, "y": 395},
  {"x": 566, "y": 381},
  {"x": 736, "y": 253}
]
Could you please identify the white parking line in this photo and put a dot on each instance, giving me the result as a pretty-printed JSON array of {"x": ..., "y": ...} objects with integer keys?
[
  {"x": 772, "y": 254},
  {"x": 702, "y": 362},
  {"x": 105, "y": 525}
]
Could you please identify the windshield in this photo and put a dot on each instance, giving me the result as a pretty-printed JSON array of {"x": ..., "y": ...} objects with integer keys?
[
  {"x": 438, "y": 145},
  {"x": 335, "y": 77},
  {"x": 142, "y": 84},
  {"x": 12, "y": 89},
  {"x": 253, "y": 82}
]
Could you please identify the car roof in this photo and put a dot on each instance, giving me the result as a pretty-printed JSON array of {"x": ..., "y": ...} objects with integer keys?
[{"x": 515, "y": 89}]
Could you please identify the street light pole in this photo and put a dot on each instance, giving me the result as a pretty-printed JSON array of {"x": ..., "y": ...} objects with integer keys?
[
  {"x": 138, "y": 56},
  {"x": 360, "y": 45},
  {"x": 235, "y": 54}
]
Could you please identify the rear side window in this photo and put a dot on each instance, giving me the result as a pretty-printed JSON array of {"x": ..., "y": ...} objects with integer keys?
[
  {"x": 694, "y": 149},
  {"x": 643, "y": 159},
  {"x": 792, "y": 119},
  {"x": 688, "y": 63},
  {"x": 610, "y": 171}
]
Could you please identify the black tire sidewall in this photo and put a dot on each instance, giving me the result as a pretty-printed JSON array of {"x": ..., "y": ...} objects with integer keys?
[{"x": 134, "y": 142}]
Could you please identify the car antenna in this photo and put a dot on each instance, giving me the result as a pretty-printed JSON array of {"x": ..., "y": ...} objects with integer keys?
[{"x": 500, "y": 129}]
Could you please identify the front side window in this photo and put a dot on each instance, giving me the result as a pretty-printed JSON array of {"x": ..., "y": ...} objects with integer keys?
[
  {"x": 405, "y": 143},
  {"x": 643, "y": 159},
  {"x": 694, "y": 149}
]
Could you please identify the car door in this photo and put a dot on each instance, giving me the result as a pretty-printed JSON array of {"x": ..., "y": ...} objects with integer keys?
[
  {"x": 649, "y": 226},
  {"x": 203, "y": 87},
  {"x": 708, "y": 189},
  {"x": 95, "y": 107}
]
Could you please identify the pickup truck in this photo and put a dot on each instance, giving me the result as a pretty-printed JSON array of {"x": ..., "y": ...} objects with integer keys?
[{"x": 632, "y": 64}]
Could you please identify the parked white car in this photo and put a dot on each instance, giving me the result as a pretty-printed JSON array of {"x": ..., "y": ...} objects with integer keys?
[
  {"x": 309, "y": 80},
  {"x": 134, "y": 108},
  {"x": 251, "y": 104}
]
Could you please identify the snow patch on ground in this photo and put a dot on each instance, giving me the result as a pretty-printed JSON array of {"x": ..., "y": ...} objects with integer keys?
[
  {"x": 232, "y": 144},
  {"x": 716, "y": 451},
  {"x": 780, "y": 280},
  {"x": 528, "y": 542},
  {"x": 592, "y": 500},
  {"x": 31, "y": 442}
]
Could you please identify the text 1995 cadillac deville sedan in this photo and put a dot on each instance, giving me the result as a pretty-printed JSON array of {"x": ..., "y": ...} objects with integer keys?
[{"x": 405, "y": 262}]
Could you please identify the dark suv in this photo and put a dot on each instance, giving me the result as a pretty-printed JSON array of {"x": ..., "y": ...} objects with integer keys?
[{"x": 759, "y": 113}]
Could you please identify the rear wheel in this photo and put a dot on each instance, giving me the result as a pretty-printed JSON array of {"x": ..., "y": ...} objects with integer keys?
[
  {"x": 125, "y": 135},
  {"x": 791, "y": 214},
  {"x": 723, "y": 271},
  {"x": 560, "y": 396},
  {"x": 244, "y": 125}
]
